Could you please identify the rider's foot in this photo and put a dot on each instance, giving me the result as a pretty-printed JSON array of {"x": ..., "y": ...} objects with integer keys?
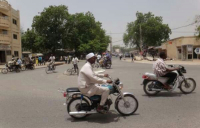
[
  {"x": 100, "y": 109},
  {"x": 167, "y": 87}
]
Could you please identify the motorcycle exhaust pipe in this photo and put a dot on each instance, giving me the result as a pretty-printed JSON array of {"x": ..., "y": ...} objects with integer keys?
[
  {"x": 82, "y": 113},
  {"x": 159, "y": 90}
]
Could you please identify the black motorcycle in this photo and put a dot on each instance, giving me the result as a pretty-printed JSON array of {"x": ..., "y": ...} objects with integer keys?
[
  {"x": 30, "y": 66},
  {"x": 80, "y": 106}
]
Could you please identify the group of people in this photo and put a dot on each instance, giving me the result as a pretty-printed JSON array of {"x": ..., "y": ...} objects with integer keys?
[
  {"x": 131, "y": 55},
  {"x": 39, "y": 60}
]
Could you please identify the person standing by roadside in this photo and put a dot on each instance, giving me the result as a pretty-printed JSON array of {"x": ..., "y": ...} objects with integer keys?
[
  {"x": 36, "y": 60},
  {"x": 132, "y": 57},
  {"x": 75, "y": 63},
  {"x": 120, "y": 56},
  {"x": 40, "y": 60}
]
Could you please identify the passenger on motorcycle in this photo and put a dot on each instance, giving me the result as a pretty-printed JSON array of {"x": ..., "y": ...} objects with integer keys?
[
  {"x": 107, "y": 58},
  {"x": 98, "y": 58},
  {"x": 161, "y": 70},
  {"x": 89, "y": 82}
]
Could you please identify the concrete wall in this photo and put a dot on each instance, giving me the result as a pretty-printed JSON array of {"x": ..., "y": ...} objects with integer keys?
[
  {"x": 7, "y": 11},
  {"x": 172, "y": 45}
]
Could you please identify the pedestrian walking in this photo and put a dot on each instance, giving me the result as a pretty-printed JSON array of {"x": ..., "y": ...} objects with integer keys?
[{"x": 132, "y": 56}]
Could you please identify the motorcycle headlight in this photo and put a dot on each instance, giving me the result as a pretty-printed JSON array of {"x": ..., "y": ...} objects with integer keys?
[{"x": 121, "y": 86}]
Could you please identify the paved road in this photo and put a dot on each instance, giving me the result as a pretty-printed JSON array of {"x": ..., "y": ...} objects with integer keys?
[{"x": 30, "y": 100}]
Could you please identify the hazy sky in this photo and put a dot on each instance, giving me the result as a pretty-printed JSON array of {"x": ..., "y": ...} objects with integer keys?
[{"x": 115, "y": 14}]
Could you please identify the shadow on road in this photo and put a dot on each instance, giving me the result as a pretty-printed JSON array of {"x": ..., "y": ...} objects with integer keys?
[
  {"x": 112, "y": 116},
  {"x": 166, "y": 94}
]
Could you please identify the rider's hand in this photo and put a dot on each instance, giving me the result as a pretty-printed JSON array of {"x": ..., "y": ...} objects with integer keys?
[
  {"x": 109, "y": 81},
  {"x": 106, "y": 75}
]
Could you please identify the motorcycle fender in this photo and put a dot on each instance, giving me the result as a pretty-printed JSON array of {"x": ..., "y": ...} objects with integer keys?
[
  {"x": 145, "y": 82},
  {"x": 119, "y": 97}
]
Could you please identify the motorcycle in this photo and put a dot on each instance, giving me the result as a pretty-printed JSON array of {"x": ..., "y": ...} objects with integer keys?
[
  {"x": 80, "y": 106},
  {"x": 107, "y": 64},
  {"x": 30, "y": 66},
  {"x": 10, "y": 68},
  {"x": 154, "y": 85}
]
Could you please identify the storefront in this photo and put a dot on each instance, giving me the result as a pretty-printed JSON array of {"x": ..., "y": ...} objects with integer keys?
[
  {"x": 182, "y": 48},
  {"x": 5, "y": 53}
]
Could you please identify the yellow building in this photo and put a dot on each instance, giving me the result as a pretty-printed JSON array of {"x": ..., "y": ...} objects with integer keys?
[
  {"x": 182, "y": 48},
  {"x": 10, "y": 35}
]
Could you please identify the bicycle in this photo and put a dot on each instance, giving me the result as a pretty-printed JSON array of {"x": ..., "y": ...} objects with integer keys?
[
  {"x": 72, "y": 71},
  {"x": 50, "y": 68}
]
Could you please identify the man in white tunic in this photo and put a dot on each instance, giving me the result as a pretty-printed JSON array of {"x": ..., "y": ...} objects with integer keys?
[{"x": 89, "y": 82}]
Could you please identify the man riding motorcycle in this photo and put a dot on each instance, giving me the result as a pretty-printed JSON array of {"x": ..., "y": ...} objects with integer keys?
[
  {"x": 161, "y": 70},
  {"x": 88, "y": 82}
]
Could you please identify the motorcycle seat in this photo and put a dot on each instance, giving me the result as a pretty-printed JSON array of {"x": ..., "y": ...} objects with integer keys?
[{"x": 72, "y": 90}]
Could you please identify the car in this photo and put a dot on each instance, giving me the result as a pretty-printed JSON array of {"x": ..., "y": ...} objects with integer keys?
[{"x": 127, "y": 55}]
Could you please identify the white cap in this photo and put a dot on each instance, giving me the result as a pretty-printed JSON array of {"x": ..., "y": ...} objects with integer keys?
[{"x": 90, "y": 55}]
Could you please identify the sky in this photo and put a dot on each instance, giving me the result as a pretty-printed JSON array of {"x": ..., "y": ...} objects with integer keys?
[{"x": 115, "y": 14}]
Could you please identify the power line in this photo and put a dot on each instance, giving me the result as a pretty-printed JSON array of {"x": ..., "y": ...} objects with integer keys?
[
  {"x": 117, "y": 41},
  {"x": 184, "y": 26},
  {"x": 181, "y": 32},
  {"x": 171, "y": 29}
]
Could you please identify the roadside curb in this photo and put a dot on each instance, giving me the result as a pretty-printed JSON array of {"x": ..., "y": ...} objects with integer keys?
[
  {"x": 167, "y": 62},
  {"x": 39, "y": 67}
]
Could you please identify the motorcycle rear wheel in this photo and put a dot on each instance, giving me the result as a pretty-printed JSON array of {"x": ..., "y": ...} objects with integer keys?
[
  {"x": 120, "y": 104},
  {"x": 147, "y": 90},
  {"x": 76, "y": 102}
]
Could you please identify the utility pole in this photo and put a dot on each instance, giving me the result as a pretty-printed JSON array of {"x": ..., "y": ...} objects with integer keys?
[{"x": 141, "y": 37}]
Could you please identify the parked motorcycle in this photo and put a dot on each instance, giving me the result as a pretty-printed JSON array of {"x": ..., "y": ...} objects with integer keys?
[
  {"x": 80, "y": 106},
  {"x": 153, "y": 84}
]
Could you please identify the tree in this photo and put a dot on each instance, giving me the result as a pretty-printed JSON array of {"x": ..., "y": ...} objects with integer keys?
[
  {"x": 50, "y": 25},
  {"x": 148, "y": 29},
  {"x": 31, "y": 41},
  {"x": 197, "y": 20},
  {"x": 85, "y": 34}
]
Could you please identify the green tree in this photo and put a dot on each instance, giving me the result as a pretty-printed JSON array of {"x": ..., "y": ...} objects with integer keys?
[
  {"x": 50, "y": 25},
  {"x": 85, "y": 34},
  {"x": 146, "y": 28},
  {"x": 31, "y": 41},
  {"x": 197, "y": 20}
]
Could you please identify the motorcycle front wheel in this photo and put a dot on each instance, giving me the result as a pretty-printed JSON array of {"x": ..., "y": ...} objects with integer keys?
[
  {"x": 74, "y": 105},
  {"x": 4, "y": 71},
  {"x": 188, "y": 87},
  {"x": 48, "y": 70},
  {"x": 129, "y": 107},
  {"x": 108, "y": 66}
]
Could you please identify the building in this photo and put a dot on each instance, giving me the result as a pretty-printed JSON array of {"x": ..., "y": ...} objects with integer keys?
[
  {"x": 10, "y": 35},
  {"x": 182, "y": 48}
]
